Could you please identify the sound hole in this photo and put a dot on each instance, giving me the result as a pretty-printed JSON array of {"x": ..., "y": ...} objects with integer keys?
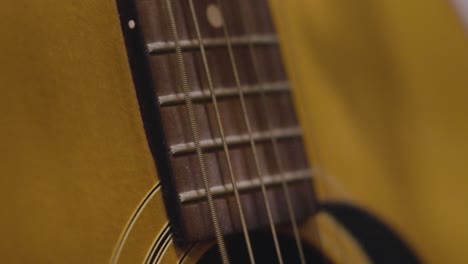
[{"x": 264, "y": 250}]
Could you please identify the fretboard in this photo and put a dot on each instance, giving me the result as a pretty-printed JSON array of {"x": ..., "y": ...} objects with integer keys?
[{"x": 221, "y": 110}]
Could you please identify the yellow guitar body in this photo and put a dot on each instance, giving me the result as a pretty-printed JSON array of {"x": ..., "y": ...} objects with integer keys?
[{"x": 381, "y": 90}]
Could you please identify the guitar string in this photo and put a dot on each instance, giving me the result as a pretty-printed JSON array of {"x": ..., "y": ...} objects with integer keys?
[
  {"x": 315, "y": 152},
  {"x": 249, "y": 130},
  {"x": 221, "y": 131},
  {"x": 190, "y": 111},
  {"x": 260, "y": 75}
]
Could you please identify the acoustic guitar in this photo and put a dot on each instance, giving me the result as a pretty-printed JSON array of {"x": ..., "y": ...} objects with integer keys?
[{"x": 167, "y": 131}]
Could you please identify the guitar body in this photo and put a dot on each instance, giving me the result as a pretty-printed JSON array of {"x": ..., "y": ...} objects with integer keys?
[{"x": 79, "y": 180}]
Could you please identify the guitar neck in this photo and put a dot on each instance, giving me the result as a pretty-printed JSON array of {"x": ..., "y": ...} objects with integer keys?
[{"x": 219, "y": 116}]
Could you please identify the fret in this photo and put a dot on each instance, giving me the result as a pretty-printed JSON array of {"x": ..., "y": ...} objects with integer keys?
[
  {"x": 251, "y": 185},
  {"x": 223, "y": 93},
  {"x": 162, "y": 47},
  {"x": 236, "y": 140}
]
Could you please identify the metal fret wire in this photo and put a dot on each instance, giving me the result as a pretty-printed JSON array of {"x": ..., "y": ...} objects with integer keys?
[
  {"x": 193, "y": 124},
  {"x": 314, "y": 150},
  {"x": 245, "y": 186},
  {"x": 221, "y": 131},
  {"x": 191, "y": 44},
  {"x": 260, "y": 77},
  {"x": 249, "y": 130},
  {"x": 235, "y": 140},
  {"x": 222, "y": 93}
]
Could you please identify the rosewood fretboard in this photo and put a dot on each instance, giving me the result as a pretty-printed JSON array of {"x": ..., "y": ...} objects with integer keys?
[{"x": 261, "y": 133}]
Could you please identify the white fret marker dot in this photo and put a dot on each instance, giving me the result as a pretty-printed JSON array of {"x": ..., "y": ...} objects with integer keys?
[
  {"x": 214, "y": 16},
  {"x": 131, "y": 24}
]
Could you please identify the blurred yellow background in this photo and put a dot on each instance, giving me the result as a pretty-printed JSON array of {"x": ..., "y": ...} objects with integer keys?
[{"x": 382, "y": 88}]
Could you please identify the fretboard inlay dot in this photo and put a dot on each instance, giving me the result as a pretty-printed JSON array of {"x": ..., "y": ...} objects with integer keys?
[
  {"x": 131, "y": 24},
  {"x": 213, "y": 14}
]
